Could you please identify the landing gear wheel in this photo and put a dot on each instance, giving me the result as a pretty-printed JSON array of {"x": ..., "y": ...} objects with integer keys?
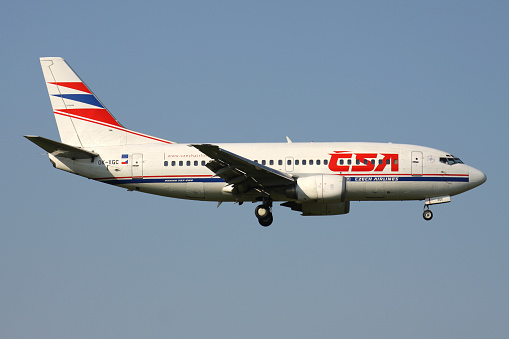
[
  {"x": 262, "y": 211},
  {"x": 427, "y": 215},
  {"x": 267, "y": 221}
]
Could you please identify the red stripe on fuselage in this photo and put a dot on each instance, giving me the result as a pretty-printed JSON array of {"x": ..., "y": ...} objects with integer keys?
[{"x": 160, "y": 176}]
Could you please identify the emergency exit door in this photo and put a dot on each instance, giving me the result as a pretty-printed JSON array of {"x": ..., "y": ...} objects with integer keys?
[
  {"x": 289, "y": 164},
  {"x": 416, "y": 163}
]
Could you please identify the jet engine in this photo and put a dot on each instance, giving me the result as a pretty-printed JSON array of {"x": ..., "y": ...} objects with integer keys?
[{"x": 318, "y": 189}]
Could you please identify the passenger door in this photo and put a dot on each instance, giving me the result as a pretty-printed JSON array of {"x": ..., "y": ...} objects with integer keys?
[
  {"x": 416, "y": 163},
  {"x": 137, "y": 165}
]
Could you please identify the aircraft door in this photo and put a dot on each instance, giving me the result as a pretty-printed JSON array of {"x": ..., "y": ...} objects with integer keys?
[
  {"x": 289, "y": 164},
  {"x": 416, "y": 163},
  {"x": 137, "y": 165}
]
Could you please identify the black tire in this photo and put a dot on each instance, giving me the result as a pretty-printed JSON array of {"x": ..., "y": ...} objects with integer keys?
[
  {"x": 262, "y": 212},
  {"x": 427, "y": 215},
  {"x": 266, "y": 221}
]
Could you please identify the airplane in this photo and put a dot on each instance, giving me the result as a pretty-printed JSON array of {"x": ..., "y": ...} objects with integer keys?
[{"x": 316, "y": 178}]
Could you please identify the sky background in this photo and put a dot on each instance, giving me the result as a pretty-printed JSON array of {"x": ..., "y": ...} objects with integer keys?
[{"x": 80, "y": 259}]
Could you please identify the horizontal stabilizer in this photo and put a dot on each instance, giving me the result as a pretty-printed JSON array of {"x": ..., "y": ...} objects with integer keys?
[{"x": 59, "y": 149}]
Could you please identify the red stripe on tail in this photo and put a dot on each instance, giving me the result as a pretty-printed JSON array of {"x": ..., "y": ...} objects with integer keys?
[
  {"x": 97, "y": 114},
  {"x": 74, "y": 85}
]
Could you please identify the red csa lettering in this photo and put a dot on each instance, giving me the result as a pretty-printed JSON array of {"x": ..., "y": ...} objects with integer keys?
[
  {"x": 392, "y": 158},
  {"x": 366, "y": 160},
  {"x": 366, "y": 165},
  {"x": 333, "y": 163}
]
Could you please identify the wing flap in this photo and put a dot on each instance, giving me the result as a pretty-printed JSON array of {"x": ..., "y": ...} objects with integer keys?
[{"x": 59, "y": 149}]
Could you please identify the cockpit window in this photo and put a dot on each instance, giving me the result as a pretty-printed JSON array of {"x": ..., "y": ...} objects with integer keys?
[{"x": 451, "y": 160}]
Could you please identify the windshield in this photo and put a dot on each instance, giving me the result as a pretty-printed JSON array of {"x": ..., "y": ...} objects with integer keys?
[{"x": 451, "y": 160}]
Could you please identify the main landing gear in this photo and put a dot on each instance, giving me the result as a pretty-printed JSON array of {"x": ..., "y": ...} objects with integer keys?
[
  {"x": 427, "y": 214},
  {"x": 264, "y": 214}
]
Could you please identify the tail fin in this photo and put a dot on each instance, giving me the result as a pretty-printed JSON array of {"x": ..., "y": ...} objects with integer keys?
[{"x": 82, "y": 119}]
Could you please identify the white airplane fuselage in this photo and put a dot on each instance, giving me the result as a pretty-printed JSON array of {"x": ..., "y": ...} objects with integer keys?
[{"x": 178, "y": 170}]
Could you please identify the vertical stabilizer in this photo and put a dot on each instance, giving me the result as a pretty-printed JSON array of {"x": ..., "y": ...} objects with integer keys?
[{"x": 82, "y": 120}]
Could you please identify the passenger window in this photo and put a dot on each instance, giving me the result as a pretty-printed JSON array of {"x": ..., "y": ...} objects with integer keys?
[
  {"x": 326, "y": 162},
  {"x": 256, "y": 161},
  {"x": 271, "y": 162},
  {"x": 263, "y": 162},
  {"x": 380, "y": 161},
  {"x": 280, "y": 162},
  {"x": 173, "y": 163},
  {"x": 181, "y": 163},
  {"x": 341, "y": 162},
  {"x": 318, "y": 162},
  {"x": 288, "y": 162},
  {"x": 196, "y": 162},
  {"x": 203, "y": 162},
  {"x": 388, "y": 162},
  {"x": 358, "y": 162},
  {"x": 188, "y": 163},
  {"x": 349, "y": 161},
  {"x": 311, "y": 162},
  {"x": 395, "y": 161},
  {"x": 303, "y": 162},
  {"x": 296, "y": 162},
  {"x": 166, "y": 163},
  {"x": 372, "y": 161}
]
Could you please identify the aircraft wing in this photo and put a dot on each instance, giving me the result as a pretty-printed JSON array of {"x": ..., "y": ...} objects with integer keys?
[
  {"x": 59, "y": 149},
  {"x": 237, "y": 170}
]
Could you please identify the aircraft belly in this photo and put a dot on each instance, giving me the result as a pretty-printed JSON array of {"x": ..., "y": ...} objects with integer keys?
[
  {"x": 198, "y": 191},
  {"x": 394, "y": 190}
]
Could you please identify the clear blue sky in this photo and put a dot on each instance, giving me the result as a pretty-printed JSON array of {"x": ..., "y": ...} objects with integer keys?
[{"x": 79, "y": 259}]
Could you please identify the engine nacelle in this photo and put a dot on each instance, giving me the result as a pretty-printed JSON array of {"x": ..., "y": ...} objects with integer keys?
[{"x": 318, "y": 188}]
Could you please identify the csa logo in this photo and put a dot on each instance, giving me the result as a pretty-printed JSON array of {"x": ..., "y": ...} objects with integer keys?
[{"x": 343, "y": 161}]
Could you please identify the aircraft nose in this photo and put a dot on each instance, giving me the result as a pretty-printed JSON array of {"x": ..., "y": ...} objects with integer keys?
[{"x": 475, "y": 177}]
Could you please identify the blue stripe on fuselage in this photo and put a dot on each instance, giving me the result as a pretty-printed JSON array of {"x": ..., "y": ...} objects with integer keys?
[{"x": 382, "y": 178}]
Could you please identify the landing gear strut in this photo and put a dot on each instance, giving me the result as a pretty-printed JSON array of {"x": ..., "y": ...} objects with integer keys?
[
  {"x": 264, "y": 214},
  {"x": 427, "y": 214}
]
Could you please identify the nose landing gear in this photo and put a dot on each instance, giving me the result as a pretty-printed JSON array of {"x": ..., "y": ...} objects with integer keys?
[
  {"x": 427, "y": 214},
  {"x": 264, "y": 214}
]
